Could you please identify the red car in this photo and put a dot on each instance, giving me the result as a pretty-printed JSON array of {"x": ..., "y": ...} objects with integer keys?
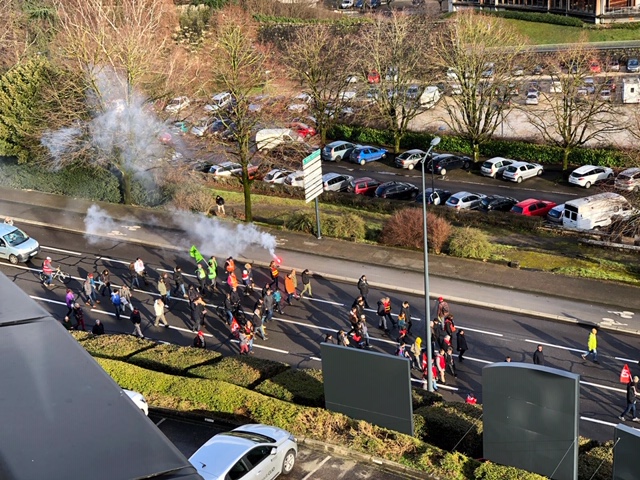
[
  {"x": 364, "y": 186},
  {"x": 533, "y": 207},
  {"x": 595, "y": 67},
  {"x": 373, "y": 77},
  {"x": 304, "y": 130}
]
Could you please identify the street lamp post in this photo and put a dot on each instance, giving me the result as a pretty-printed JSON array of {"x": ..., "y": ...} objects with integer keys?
[{"x": 427, "y": 310}]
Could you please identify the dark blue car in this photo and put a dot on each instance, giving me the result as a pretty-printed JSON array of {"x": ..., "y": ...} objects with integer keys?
[{"x": 367, "y": 154}]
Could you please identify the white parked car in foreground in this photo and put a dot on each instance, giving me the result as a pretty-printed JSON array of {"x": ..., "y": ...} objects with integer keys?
[
  {"x": 519, "y": 171},
  {"x": 495, "y": 166},
  {"x": 296, "y": 179},
  {"x": 255, "y": 452},
  {"x": 177, "y": 104},
  {"x": 139, "y": 400},
  {"x": 587, "y": 175},
  {"x": 277, "y": 175},
  {"x": 465, "y": 200}
]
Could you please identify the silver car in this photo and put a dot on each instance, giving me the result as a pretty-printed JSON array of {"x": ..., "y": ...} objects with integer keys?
[
  {"x": 336, "y": 182},
  {"x": 465, "y": 200},
  {"x": 258, "y": 452},
  {"x": 15, "y": 245},
  {"x": 519, "y": 171},
  {"x": 336, "y": 151},
  {"x": 409, "y": 159}
]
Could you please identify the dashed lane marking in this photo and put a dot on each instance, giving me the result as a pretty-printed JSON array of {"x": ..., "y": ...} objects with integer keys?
[{"x": 53, "y": 249}]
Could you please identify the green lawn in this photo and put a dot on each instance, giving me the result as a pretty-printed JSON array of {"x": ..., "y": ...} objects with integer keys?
[{"x": 546, "y": 33}]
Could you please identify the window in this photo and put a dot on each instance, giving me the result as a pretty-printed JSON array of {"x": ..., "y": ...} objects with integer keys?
[
  {"x": 239, "y": 470},
  {"x": 258, "y": 454}
]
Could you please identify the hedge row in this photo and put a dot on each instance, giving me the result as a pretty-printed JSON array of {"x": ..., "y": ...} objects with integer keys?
[
  {"x": 538, "y": 17},
  {"x": 203, "y": 381},
  {"x": 519, "y": 150}
]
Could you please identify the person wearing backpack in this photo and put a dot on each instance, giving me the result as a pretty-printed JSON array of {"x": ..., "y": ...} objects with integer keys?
[{"x": 449, "y": 326}]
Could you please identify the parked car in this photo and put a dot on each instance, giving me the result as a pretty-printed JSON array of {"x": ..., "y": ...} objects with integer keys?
[
  {"x": 226, "y": 169},
  {"x": 219, "y": 126},
  {"x": 594, "y": 66},
  {"x": 610, "y": 83},
  {"x": 497, "y": 203},
  {"x": 495, "y": 166},
  {"x": 532, "y": 99},
  {"x": 364, "y": 154},
  {"x": 445, "y": 162},
  {"x": 556, "y": 213},
  {"x": 219, "y": 102},
  {"x": 587, "y": 175},
  {"x": 347, "y": 4},
  {"x": 465, "y": 200},
  {"x": 138, "y": 399},
  {"x": 613, "y": 65},
  {"x": 410, "y": 158},
  {"x": 489, "y": 70},
  {"x": 336, "y": 182},
  {"x": 202, "y": 126},
  {"x": 295, "y": 179},
  {"x": 397, "y": 191},
  {"x": 300, "y": 103},
  {"x": 555, "y": 87},
  {"x": 434, "y": 197},
  {"x": 532, "y": 207},
  {"x": 590, "y": 85},
  {"x": 538, "y": 70},
  {"x": 277, "y": 175},
  {"x": 336, "y": 151},
  {"x": 364, "y": 186},
  {"x": 519, "y": 171},
  {"x": 633, "y": 65},
  {"x": 373, "y": 77},
  {"x": 15, "y": 245},
  {"x": 304, "y": 130},
  {"x": 177, "y": 104},
  {"x": 518, "y": 71},
  {"x": 629, "y": 180},
  {"x": 605, "y": 95},
  {"x": 254, "y": 451}
]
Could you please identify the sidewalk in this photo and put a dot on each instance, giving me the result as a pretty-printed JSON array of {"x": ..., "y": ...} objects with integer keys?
[{"x": 498, "y": 287}]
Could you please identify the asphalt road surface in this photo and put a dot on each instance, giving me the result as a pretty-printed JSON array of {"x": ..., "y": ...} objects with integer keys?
[
  {"x": 294, "y": 337},
  {"x": 188, "y": 436}
]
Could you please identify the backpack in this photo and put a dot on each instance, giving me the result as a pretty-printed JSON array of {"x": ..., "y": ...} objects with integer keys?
[{"x": 451, "y": 325}]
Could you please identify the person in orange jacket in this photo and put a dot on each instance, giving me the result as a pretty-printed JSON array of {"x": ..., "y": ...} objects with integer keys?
[{"x": 289, "y": 287}]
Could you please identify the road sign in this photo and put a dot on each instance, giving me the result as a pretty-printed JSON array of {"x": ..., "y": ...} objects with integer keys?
[{"x": 312, "y": 168}]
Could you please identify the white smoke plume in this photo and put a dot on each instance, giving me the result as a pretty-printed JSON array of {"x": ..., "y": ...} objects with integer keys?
[
  {"x": 213, "y": 236},
  {"x": 97, "y": 222}
]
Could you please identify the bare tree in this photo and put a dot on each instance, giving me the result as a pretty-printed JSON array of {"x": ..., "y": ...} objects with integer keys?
[
  {"x": 239, "y": 67},
  {"x": 322, "y": 61},
  {"x": 479, "y": 53},
  {"x": 389, "y": 50},
  {"x": 579, "y": 108}
]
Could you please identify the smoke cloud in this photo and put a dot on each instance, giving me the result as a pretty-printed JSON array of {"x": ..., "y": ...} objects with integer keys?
[{"x": 97, "y": 222}]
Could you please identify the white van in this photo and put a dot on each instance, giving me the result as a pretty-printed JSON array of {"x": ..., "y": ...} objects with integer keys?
[
  {"x": 430, "y": 96},
  {"x": 268, "y": 138},
  {"x": 596, "y": 211}
]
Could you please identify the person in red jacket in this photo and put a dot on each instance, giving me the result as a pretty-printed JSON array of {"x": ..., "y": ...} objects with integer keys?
[
  {"x": 47, "y": 270},
  {"x": 275, "y": 275}
]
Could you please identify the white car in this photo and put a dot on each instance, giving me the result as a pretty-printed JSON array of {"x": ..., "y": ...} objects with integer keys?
[
  {"x": 300, "y": 103},
  {"x": 336, "y": 182},
  {"x": 556, "y": 87},
  {"x": 495, "y": 166},
  {"x": 256, "y": 452},
  {"x": 556, "y": 213},
  {"x": 465, "y": 200},
  {"x": 410, "y": 158},
  {"x": 519, "y": 171},
  {"x": 225, "y": 169},
  {"x": 532, "y": 99},
  {"x": 139, "y": 400},
  {"x": 177, "y": 104},
  {"x": 347, "y": 96},
  {"x": 219, "y": 102},
  {"x": 295, "y": 179},
  {"x": 347, "y": 4},
  {"x": 587, "y": 175},
  {"x": 277, "y": 175}
]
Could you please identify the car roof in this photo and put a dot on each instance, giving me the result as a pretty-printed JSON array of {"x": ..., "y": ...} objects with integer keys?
[
  {"x": 585, "y": 168},
  {"x": 413, "y": 151},
  {"x": 528, "y": 201},
  {"x": 441, "y": 156},
  {"x": 228, "y": 164},
  {"x": 364, "y": 179},
  {"x": 6, "y": 228},
  {"x": 630, "y": 171},
  {"x": 219, "y": 96},
  {"x": 462, "y": 194},
  {"x": 211, "y": 456},
  {"x": 337, "y": 143},
  {"x": 499, "y": 159},
  {"x": 330, "y": 175}
]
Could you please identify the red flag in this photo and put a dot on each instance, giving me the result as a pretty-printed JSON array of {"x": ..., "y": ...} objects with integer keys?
[{"x": 625, "y": 374}]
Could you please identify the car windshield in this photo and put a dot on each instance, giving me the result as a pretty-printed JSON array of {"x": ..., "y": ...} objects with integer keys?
[
  {"x": 555, "y": 213},
  {"x": 516, "y": 209},
  {"x": 251, "y": 436},
  {"x": 454, "y": 200},
  {"x": 576, "y": 174},
  {"x": 512, "y": 169},
  {"x": 488, "y": 165},
  {"x": 15, "y": 237},
  {"x": 486, "y": 201},
  {"x": 270, "y": 176}
]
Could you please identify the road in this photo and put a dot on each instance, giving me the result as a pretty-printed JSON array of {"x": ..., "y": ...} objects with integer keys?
[
  {"x": 295, "y": 336},
  {"x": 311, "y": 464}
]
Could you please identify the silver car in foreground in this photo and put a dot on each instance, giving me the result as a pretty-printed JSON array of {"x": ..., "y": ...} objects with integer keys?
[
  {"x": 258, "y": 452},
  {"x": 519, "y": 171}
]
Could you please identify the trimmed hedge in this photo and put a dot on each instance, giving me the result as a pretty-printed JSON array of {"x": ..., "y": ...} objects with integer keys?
[
  {"x": 518, "y": 150},
  {"x": 173, "y": 359},
  {"x": 240, "y": 371},
  {"x": 447, "y": 424},
  {"x": 116, "y": 347},
  {"x": 303, "y": 387},
  {"x": 538, "y": 17}
]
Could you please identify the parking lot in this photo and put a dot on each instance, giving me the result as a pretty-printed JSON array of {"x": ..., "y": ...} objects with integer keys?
[{"x": 188, "y": 436}]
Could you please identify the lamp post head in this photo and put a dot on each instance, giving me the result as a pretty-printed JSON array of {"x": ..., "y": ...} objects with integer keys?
[{"x": 435, "y": 141}]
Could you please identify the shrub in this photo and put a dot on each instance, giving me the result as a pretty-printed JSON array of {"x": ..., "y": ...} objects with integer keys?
[
  {"x": 118, "y": 347},
  {"x": 347, "y": 226},
  {"x": 493, "y": 471},
  {"x": 470, "y": 242},
  {"x": 405, "y": 229},
  {"x": 173, "y": 359},
  {"x": 448, "y": 424},
  {"x": 598, "y": 458},
  {"x": 538, "y": 17},
  {"x": 193, "y": 197},
  {"x": 303, "y": 387},
  {"x": 300, "y": 222}
]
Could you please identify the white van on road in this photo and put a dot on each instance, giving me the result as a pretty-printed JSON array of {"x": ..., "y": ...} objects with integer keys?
[{"x": 596, "y": 211}]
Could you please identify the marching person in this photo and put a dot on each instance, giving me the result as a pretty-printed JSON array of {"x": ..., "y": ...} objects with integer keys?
[
  {"x": 406, "y": 310},
  {"x": 158, "y": 309},
  {"x": 442, "y": 310},
  {"x": 201, "y": 275},
  {"x": 47, "y": 271},
  {"x": 247, "y": 279},
  {"x": 199, "y": 341},
  {"x": 275, "y": 275},
  {"x": 79, "y": 314},
  {"x": 538, "y": 356},
  {"x": 136, "y": 319},
  {"x": 363, "y": 287},
  {"x": 98, "y": 328},
  {"x": 592, "y": 345},
  {"x": 178, "y": 280},
  {"x": 306, "y": 282},
  {"x": 461, "y": 343},
  {"x": 632, "y": 393}
]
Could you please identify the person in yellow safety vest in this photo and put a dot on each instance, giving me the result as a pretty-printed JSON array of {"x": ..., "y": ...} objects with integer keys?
[
  {"x": 212, "y": 272},
  {"x": 201, "y": 275},
  {"x": 275, "y": 275}
]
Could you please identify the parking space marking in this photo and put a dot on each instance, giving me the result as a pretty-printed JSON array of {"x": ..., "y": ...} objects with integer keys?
[
  {"x": 159, "y": 422},
  {"x": 308, "y": 475}
]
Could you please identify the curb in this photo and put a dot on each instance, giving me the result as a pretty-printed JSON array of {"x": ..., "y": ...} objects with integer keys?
[
  {"x": 317, "y": 445},
  {"x": 382, "y": 286}
]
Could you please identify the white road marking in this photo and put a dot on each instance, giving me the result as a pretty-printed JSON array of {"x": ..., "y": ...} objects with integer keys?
[
  {"x": 480, "y": 331},
  {"x": 315, "y": 358},
  {"x": 439, "y": 385},
  {"x": 570, "y": 349},
  {"x": 160, "y": 421},
  {"x": 329, "y": 329},
  {"x": 60, "y": 250},
  {"x": 100, "y": 257},
  {"x": 621, "y": 390},
  {"x": 48, "y": 301},
  {"x": 308, "y": 475},
  {"x": 187, "y": 330},
  {"x": 601, "y": 422},
  {"x": 479, "y": 360},
  {"x": 626, "y": 360}
]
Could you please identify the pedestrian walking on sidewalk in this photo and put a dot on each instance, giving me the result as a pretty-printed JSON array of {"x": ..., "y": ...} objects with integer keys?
[
  {"x": 592, "y": 346},
  {"x": 136, "y": 319},
  {"x": 158, "y": 310},
  {"x": 306, "y": 283},
  {"x": 178, "y": 280},
  {"x": 461, "y": 343},
  {"x": 632, "y": 393},
  {"x": 363, "y": 287},
  {"x": 538, "y": 356}
]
